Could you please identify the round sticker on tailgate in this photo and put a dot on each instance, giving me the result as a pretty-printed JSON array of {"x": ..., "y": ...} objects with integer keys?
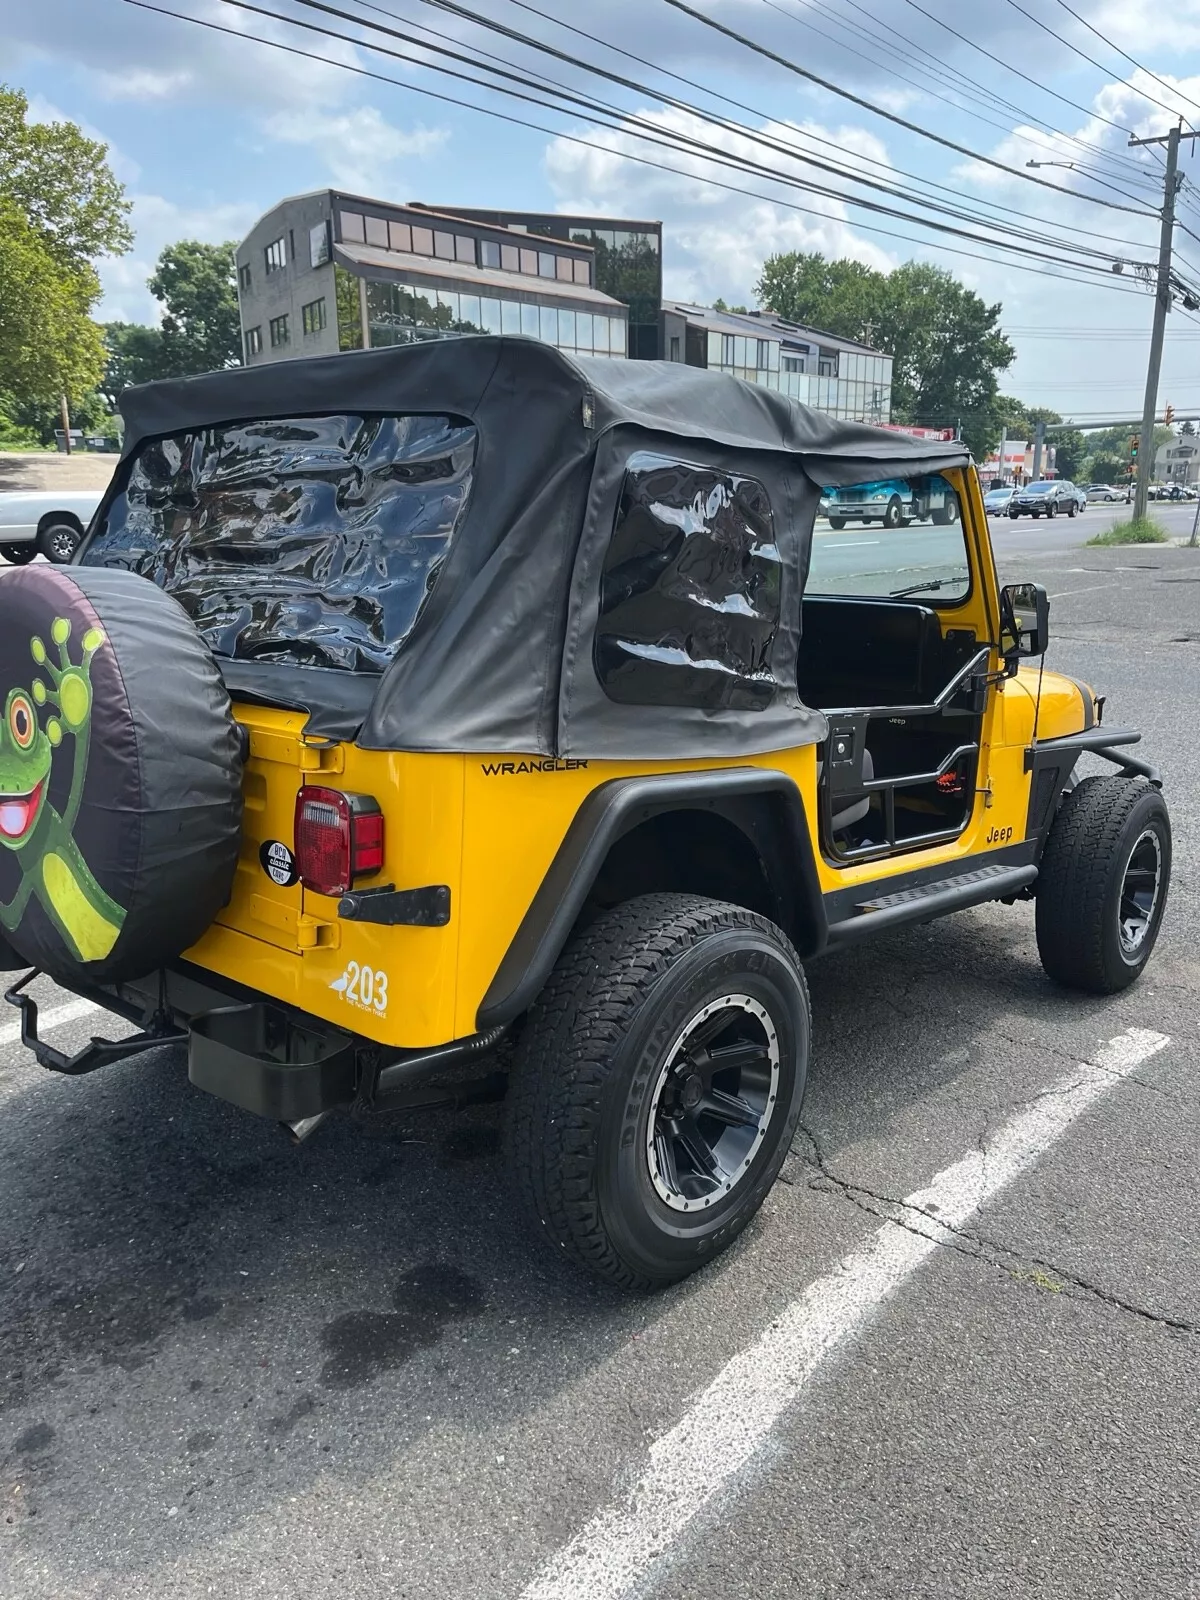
[{"x": 278, "y": 862}]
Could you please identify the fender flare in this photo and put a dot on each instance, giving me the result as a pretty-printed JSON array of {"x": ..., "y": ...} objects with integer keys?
[{"x": 614, "y": 809}]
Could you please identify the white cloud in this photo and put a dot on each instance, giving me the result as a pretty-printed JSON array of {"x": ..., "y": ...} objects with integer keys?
[
  {"x": 158, "y": 222},
  {"x": 715, "y": 240},
  {"x": 359, "y": 149}
]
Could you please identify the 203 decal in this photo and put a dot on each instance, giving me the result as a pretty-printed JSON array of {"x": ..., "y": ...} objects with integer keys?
[
  {"x": 999, "y": 836},
  {"x": 364, "y": 987}
]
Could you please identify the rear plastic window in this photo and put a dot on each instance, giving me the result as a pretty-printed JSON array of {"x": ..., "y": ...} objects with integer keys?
[
  {"x": 311, "y": 540},
  {"x": 690, "y": 592}
]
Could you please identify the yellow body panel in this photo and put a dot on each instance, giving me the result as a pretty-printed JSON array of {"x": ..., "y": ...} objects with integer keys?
[{"x": 489, "y": 827}]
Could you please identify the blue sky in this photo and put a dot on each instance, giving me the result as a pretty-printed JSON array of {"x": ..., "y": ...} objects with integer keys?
[{"x": 207, "y": 131}]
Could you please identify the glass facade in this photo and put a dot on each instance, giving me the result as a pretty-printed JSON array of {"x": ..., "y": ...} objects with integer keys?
[
  {"x": 859, "y": 388},
  {"x": 356, "y": 227},
  {"x": 399, "y": 313}
]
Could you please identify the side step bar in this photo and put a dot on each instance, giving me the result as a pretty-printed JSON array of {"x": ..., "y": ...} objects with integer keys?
[{"x": 931, "y": 900}]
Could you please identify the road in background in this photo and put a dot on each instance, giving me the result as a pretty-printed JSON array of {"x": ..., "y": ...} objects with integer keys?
[
  {"x": 232, "y": 1367},
  {"x": 48, "y": 469}
]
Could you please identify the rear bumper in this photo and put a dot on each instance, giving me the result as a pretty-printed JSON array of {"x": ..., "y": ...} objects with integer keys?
[{"x": 266, "y": 1058}]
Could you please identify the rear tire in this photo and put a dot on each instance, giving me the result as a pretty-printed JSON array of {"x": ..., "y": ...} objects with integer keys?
[
  {"x": 18, "y": 555},
  {"x": 617, "y": 1073},
  {"x": 1072, "y": 509},
  {"x": 1102, "y": 884}
]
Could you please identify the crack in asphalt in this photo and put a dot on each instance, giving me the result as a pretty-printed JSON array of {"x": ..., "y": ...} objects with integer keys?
[{"x": 969, "y": 1242}]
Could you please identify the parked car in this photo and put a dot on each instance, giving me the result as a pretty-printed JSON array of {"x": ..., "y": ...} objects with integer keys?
[
  {"x": 996, "y": 501},
  {"x": 548, "y": 777},
  {"x": 1104, "y": 491},
  {"x": 45, "y": 522},
  {"x": 1046, "y": 498},
  {"x": 1177, "y": 491}
]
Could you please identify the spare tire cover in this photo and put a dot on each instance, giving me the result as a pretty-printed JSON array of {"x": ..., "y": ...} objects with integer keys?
[{"x": 120, "y": 774}]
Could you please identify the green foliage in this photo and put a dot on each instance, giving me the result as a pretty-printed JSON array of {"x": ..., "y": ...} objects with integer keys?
[
  {"x": 197, "y": 287},
  {"x": 719, "y": 305},
  {"x": 1137, "y": 530},
  {"x": 61, "y": 182},
  {"x": 1103, "y": 468},
  {"x": 49, "y": 346},
  {"x": 946, "y": 346},
  {"x": 38, "y": 421},
  {"x": 133, "y": 354}
]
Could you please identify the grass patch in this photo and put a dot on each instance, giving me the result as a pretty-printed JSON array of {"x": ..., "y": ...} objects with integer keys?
[{"x": 1137, "y": 530}]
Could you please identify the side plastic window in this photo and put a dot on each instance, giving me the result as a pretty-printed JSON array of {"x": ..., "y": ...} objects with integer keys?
[{"x": 690, "y": 592}]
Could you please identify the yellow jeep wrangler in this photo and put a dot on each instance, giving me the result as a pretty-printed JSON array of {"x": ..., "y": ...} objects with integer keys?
[{"x": 431, "y": 722}]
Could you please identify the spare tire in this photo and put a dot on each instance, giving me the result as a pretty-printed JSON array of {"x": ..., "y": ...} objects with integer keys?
[{"x": 120, "y": 774}]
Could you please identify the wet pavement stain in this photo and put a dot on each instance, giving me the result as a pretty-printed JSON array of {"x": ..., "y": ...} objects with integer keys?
[
  {"x": 40, "y": 1436},
  {"x": 362, "y": 1344},
  {"x": 466, "y": 1143},
  {"x": 199, "y": 1442}
]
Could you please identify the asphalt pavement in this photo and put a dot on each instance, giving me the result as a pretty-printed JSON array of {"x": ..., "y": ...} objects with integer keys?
[{"x": 231, "y": 1367}]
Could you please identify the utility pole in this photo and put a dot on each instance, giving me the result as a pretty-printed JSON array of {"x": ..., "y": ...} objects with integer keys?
[
  {"x": 1039, "y": 443},
  {"x": 1003, "y": 442},
  {"x": 1162, "y": 304}
]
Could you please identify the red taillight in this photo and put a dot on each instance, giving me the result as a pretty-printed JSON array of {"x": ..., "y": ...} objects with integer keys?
[{"x": 339, "y": 837}]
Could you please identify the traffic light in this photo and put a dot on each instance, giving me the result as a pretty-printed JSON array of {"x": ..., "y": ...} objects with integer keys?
[
  {"x": 1169, "y": 415},
  {"x": 1133, "y": 447}
]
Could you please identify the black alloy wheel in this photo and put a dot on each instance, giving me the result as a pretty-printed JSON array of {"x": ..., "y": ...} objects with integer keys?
[
  {"x": 18, "y": 555},
  {"x": 58, "y": 541},
  {"x": 1102, "y": 883},
  {"x": 657, "y": 1086}
]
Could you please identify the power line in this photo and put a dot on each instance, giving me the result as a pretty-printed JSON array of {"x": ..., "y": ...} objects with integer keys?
[
  {"x": 891, "y": 116},
  {"x": 1107, "y": 71},
  {"x": 774, "y": 143},
  {"x": 675, "y": 140},
  {"x": 1187, "y": 100},
  {"x": 857, "y": 50},
  {"x": 235, "y": 33}
]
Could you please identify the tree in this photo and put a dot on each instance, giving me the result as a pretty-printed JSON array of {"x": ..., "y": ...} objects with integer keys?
[
  {"x": 946, "y": 347},
  {"x": 60, "y": 206},
  {"x": 61, "y": 181},
  {"x": 49, "y": 346},
  {"x": 133, "y": 354},
  {"x": 201, "y": 328}
]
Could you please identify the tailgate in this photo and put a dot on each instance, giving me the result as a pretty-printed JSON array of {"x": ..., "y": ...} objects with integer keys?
[{"x": 266, "y": 902}]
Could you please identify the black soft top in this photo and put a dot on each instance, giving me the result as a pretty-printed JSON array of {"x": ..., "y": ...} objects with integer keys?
[{"x": 507, "y": 652}]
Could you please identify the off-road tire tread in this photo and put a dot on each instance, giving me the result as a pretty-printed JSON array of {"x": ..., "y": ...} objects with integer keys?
[
  {"x": 575, "y": 1027},
  {"x": 1074, "y": 880}
]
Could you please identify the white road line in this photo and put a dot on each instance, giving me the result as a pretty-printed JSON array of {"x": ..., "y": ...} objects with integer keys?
[
  {"x": 855, "y": 544},
  {"x": 1091, "y": 589},
  {"x": 733, "y": 1417},
  {"x": 10, "y": 1033}
]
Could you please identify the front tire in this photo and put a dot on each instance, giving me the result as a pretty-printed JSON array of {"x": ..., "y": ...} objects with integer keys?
[
  {"x": 18, "y": 555},
  {"x": 658, "y": 1085},
  {"x": 893, "y": 516},
  {"x": 1102, "y": 884},
  {"x": 837, "y": 523}
]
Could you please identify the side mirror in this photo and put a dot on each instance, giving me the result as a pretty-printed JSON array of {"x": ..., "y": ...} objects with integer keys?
[{"x": 1024, "y": 621}]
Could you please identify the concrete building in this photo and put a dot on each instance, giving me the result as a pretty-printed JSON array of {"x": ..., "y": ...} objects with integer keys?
[
  {"x": 831, "y": 374},
  {"x": 628, "y": 257},
  {"x": 332, "y": 271},
  {"x": 1178, "y": 461}
]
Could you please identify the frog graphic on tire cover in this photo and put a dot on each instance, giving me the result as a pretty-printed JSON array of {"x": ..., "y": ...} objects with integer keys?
[{"x": 52, "y": 867}]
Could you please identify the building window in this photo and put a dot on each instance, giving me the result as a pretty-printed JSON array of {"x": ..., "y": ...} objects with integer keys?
[
  {"x": 546, "y": 267},
  {"x": 275, "y": 256},
  {"x": 377, "y": 232},
  {"x": 422, "y": 241},
  {"x": 443, "y": 246},
  {"x": 764, "y": 354},
  {"x": 510, "y": 258},
  {"x": 244, "y": 277},
  {"x": 318, "y": 244},
  {"x": 827, "y": 367},
  {"x": 489, "y": 253},
  {"x": 675, "y": 347},
  {"x": 529, "y": 263},
  {"x": 352, "y": 227},
  {"x": 464, "y": 248},
  {"x": 253, "y": 342},
  {"x": 400, "y": 237},
  {"x": 728, "y": 347},
  {"x": 313, "y": 315},
  {"x": 583, "y": 272},
  {"x": 563, "y": 268},
  {"x": 279, "y": 331},
  {"x": 794, "y": 364}
]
